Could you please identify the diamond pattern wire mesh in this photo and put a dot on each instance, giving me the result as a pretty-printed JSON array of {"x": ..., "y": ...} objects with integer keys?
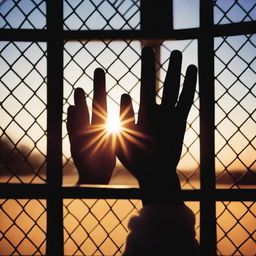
[
  {"x": 99, "y": 227},
  {"x": 23, "y": 14},
  {"x": 23, "y": 112},
  {"x": 235, "y": 94},
  {"x": 236, "y": 234},
  {"x": 232, "y": 11},
  {"x": 22, "y": 227},
  {"x": 121, "y": 61},
  {"x": 102, "y": 15}
]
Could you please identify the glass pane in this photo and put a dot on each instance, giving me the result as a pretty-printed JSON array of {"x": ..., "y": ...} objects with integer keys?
[
  {"x": 99, "y": 227},
  {"x": 235, "y": 116},
  {"x": 26, "y": 14},
  {"x": 23, "y": 112},
  {"x": 102, "y": 15},
  {"x": 185, "y": 14},
  {"x": 233, "y": 11},
  {"x": 236, "y": 222},
  {"x": 22, "y": 227}
]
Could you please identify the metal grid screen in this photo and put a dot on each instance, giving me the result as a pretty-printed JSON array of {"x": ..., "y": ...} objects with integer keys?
[
  {"x": 23, "y": 111},
  {"x": 105, "y": 15},
  {"x": 23, "y": 227},
  {"x": 48, "y": 48},
  {"x": 235, "y": 110}
]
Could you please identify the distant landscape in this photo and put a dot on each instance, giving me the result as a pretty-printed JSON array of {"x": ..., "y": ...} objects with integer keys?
[{"x": 22, "y": 161}]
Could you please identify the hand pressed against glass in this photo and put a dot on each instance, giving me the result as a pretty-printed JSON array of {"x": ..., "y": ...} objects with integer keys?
[
  {"x": 91, "y": 145},
  {"x": 151, "y": 148}
]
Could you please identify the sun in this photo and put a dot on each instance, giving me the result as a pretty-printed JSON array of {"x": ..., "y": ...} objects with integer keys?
[{"x": 113, "y": 125}]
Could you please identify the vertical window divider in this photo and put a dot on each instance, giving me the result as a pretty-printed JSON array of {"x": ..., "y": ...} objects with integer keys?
[
  {"x": 207, "y": 126},
  {"x": 156, "y": 16},
  {"x": 54, "y": 237}
]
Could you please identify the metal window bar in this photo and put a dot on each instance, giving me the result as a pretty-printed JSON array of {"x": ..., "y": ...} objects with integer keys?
[
  {"x": 54, "y": 193},
  {"x": 54, "y": 128},
  {"x": 207, "y": 161}
]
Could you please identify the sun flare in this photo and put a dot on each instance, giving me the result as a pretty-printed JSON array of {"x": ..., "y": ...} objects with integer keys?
[
  {"x": 113, "y": 125},
  {"x": 115, "y": 131}
]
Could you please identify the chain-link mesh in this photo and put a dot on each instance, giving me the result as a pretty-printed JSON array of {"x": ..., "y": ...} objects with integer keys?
[
  {"x": 121, "y": 61},
  {"x": 232, "y": 11},
  {"x": 235, "y": 95},
  {"x": 24, "y": 14},
  {"x": 236, "y": 222},
  {"x": 102, "y": 15},
  {"x": 23, "y": 112},
  {"x": 99, "y": 227},
  {"x": 22, "y": 227}
]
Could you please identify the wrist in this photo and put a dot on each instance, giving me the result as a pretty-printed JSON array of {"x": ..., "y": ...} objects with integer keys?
[
  {"x": 164, "y": 191},
  {"x": 161, "y": 196}
]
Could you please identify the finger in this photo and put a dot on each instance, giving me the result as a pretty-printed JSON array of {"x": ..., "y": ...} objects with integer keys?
[
  {"x": 126, "y": 111},
  {"x": 71, "y": 121},
  {"x": 172, "y": 80},
  {"x": 82, "y": 111},
  {"x": 99, "y": 105},
  {"x": 127, "y": 122},
  {"x": 188, "y": 92},
  {"x": 147, "y": 92}
]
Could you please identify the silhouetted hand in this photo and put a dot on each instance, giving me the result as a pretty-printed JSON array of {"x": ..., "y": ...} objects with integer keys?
[
  {"x": 151, "y": 148},
  {"x": 91, "y": 146}
]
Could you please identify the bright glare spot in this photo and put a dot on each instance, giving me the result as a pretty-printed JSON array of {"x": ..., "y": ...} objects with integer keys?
[{"x": 113, "y": 125}]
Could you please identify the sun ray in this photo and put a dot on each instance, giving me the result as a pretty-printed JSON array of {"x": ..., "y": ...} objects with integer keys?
[
  {"x": 128, "y": 121},
  {"x": 100, "y": 143},
  {"x": 125, "y": 112},
  {"x": 122, "y": 143},
  {"x": 92, "y": 129},
  {"x": 114, "y": 141},
  {"x": 132, "y": 139},
  {"x": 99, "y": 111},
  {"x": 135, "y": 133},
  {"x": 95, "y": 139}
]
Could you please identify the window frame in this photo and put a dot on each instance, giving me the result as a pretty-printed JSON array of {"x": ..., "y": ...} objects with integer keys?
[{"x": 53, "y": 191}]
